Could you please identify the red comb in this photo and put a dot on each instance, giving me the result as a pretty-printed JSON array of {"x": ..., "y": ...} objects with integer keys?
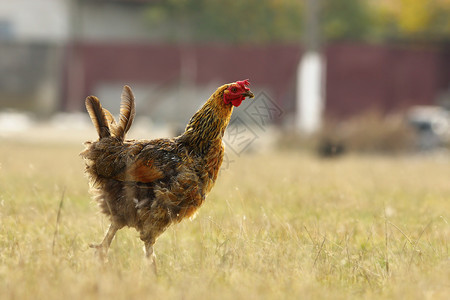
[{"x": 243, "y": 82}]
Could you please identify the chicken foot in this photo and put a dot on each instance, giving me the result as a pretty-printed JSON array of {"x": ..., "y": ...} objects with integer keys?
[
  {"x": 150, "y": 256},
  {"x": 102, "y": 248}
]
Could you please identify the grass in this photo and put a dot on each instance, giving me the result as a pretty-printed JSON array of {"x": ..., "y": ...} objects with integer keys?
[{"x": 276, "y": 226}]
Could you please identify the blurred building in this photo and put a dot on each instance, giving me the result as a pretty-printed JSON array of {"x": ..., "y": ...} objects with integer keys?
[{"x": 33, "y": 34}]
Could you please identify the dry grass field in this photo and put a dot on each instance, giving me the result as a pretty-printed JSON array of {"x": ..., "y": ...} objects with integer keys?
[{"x": 276, "y": 226}]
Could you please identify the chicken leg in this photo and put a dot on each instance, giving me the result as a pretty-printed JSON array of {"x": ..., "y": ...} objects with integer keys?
[
  {"x": 102, "y": 248},
  {"x": 150, "y": 256}
]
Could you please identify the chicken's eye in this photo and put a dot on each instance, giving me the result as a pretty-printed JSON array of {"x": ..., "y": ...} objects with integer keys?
[{"x": 234, "y": 89}]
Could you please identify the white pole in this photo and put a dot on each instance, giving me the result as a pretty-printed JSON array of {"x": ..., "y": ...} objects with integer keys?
[{"x": 310, "y": 75}]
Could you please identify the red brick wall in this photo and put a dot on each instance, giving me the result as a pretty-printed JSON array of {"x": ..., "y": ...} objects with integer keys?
[
  {"x": 388, "y": 78},
  {"x": 359, "y": 76}
]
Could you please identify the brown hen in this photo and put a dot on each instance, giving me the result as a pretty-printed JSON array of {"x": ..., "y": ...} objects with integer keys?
[{"x": 150, "y": 184}]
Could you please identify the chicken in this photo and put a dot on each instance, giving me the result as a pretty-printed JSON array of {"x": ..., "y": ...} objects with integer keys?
[{"x": 150, "y": 184}]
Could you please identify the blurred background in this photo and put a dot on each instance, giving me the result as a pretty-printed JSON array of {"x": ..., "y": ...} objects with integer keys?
[{"x": 331, "y": 75}]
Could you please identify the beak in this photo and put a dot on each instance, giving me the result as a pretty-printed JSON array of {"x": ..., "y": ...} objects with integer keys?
[{"x": 248, "y": 94}]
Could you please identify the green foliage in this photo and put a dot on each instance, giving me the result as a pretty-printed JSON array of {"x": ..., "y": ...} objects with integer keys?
[
  {"x": 346, "y": 19},
  {"x": 228, "y": 20},
  {"x": 414, "y": 19},
  {"x": 262, "y": 21}
]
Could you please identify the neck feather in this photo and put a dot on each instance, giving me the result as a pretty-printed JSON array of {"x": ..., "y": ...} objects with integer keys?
[{"x": 208, "y": 124}]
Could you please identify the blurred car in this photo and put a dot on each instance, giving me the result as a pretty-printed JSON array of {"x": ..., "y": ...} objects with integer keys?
[{"x": 432, "y": 124}]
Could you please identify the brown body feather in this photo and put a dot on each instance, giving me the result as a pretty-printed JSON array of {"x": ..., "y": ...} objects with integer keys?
[{"x": 149, "y": 185}]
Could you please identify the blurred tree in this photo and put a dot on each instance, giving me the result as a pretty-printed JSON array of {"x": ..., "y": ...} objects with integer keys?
[
  {"x": 347, "y": 19},
  {"x": 262, "y": 21},
  {"x": 413, "y": 19},
  {"x": 229, "y": 20}
]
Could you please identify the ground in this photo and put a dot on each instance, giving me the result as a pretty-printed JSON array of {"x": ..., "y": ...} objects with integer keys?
[{"x": 280, "y": 225}]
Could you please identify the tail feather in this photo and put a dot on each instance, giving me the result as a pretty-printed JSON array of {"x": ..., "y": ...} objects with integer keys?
[
  {"x": 110, "y": 119},
  {"x": 98, "y": 116},
  {"x": 127, "y": 113}
]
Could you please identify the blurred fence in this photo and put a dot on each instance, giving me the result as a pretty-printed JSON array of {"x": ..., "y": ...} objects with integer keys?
[
  {"x": 387, "y": 78},
  {"x": 45, "y": 78}
]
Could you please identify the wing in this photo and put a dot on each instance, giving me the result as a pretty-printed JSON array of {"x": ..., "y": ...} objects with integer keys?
[
  {"x": 142, "y": 170},
  {"x": 155, "y": 161}
]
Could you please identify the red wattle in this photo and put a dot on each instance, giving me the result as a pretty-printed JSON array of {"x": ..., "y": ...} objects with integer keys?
[{"x": 237, "y": 102}]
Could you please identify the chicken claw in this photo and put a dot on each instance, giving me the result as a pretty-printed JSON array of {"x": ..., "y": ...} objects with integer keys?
[
  {"x": 151, "y": 257},
  {"x": 102, "y": 249}
]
